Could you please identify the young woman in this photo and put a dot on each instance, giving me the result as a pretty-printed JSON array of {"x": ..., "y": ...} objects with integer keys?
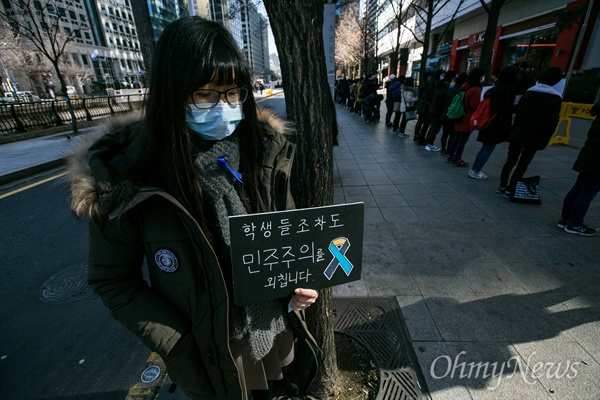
[
  {"x": 502, "y": 97},
  {"x": 156, "y": 190},
  {"x": 463, "y": 128},
  {"x": 407, "y": 99}
]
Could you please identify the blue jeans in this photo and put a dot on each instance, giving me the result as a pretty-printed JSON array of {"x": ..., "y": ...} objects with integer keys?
[
  {"x": 483, "y": 156},
  {"x": 578, "y": 200}
]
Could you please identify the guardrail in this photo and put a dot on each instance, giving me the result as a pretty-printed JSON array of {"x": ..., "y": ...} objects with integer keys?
[
  {"x": 21, "y": 117},
  {"x": 568, "y": 111}
]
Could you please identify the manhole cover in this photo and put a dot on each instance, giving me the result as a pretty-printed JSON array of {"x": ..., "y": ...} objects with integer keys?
[
  {"x": 68, "y": 285},
  {"x": 377, "y": 324}
]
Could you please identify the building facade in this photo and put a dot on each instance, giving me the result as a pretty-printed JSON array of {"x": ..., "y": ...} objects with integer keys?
[
  {"x": 255, "y": 39},
  {"x": 113, "y": 40},
  {"x": 527, "y": 31},
  {"x": 117, "y": 55},
  {"x": 248, "y": 27}
]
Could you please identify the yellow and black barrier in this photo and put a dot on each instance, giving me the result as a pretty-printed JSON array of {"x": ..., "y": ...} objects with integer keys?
[{"x": 568, "y": 111}]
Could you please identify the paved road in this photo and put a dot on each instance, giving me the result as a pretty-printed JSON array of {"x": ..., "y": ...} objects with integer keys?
[{"x": 479, "y": 279}]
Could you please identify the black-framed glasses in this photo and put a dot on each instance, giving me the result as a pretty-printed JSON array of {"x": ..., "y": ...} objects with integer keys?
[{"x": 207, "y": 98}]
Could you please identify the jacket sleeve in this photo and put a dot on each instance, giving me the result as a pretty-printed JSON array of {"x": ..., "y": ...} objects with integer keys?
[{"x": 115, "y": 274}]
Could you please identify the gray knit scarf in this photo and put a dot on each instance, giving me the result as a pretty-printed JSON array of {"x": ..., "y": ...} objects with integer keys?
[{"x": 262, "y": 322}]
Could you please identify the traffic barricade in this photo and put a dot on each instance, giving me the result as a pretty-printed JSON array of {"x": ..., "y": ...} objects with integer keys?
[{"x": 569, "y": 110}]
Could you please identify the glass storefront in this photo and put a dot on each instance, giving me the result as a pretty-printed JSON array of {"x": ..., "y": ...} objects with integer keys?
[{"x": 535, "y": 49}]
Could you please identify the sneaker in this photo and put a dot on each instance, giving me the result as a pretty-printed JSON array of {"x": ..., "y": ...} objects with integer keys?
[
  {"x": 460, "y": 163},
  {"x": 562, "y": 223},
  {"x": 394, "y": 131},
  {"x": 500, "y": 190},
  {"x": 480, "y": 175},
  {"x": 443, "y": 152},
  {"x": 431, "y": 147},
  {"x": 507, "y": 194},
  {"x": 581, "y": 230},
  {"x": 471, "y": 174},
  {"x": 402, "y": 135}
]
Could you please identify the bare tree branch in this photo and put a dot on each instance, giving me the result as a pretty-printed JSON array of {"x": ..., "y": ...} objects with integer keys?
[{"x": 40, "y": 24}]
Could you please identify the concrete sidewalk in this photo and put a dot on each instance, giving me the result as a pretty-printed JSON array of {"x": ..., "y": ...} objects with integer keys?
[
  {"x": 489, "y": 289},
  {"x": 498, "y": 302}
]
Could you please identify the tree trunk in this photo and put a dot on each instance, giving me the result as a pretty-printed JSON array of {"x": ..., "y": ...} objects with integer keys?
[
  {"x": 63, "y": 85},
  {"x": 426, "y": 35},
  {"x": 298, "y": 32},
  {"x": 393, "y": 68},
  {"x": 485, "y": 58}
]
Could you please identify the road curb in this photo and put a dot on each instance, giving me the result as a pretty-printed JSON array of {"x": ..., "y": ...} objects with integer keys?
[{"x": 27, "y": 172}]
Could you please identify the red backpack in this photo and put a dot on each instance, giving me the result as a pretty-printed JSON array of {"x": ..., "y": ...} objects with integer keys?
[{"x": 481, "y": 118}]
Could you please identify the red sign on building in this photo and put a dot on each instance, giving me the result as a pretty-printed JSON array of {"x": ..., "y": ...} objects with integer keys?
[{"x": 476, "y": 39}]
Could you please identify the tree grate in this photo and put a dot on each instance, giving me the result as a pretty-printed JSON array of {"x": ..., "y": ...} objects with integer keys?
[
  {"x": 377, "y": 323},
  {"x": 67, "y": 286}
]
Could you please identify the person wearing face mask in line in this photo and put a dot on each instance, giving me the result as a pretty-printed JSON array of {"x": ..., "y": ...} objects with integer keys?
[
  {"x": 162, "y": 189},
  {"x": 463, "y": 128},
  {"x": 437, "y": 107},
  {"x": 447, "y": 124}
]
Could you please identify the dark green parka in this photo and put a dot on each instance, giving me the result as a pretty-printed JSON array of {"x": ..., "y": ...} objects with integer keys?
[{"x": 183, "y": 313}]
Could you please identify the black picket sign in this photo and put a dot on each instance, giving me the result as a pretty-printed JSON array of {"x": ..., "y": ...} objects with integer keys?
[{"x": 274, "y": 253}]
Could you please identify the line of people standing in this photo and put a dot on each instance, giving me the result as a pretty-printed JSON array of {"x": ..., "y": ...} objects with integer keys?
[
  {"x": 536, "y": 109},
  {"x": 360, "y": 96}
]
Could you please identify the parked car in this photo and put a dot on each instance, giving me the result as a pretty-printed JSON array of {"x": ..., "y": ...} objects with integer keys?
[
  {"x": 27, "y": 97},
  {"x": 8, "y": 97},
  {"x": 20, "y": 97}
]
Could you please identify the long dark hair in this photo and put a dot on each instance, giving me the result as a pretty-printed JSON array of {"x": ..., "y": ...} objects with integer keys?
[
  {"x": 475, "y": 75},
  {"x": 191, "y": 52}
]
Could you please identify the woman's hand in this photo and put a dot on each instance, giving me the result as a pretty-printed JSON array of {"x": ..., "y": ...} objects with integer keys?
[{"x": 303, "y": 298}]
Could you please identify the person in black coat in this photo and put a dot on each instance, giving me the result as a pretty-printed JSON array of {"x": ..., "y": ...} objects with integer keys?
[
  {"x": 587, "y": 185},
  {"x": 370, "y": 106},
  {"x": 502, "y": 98},
  {"x": 436, "y": 109},
  {"x": 425, "y": 98},
  {"x": 538, "y": 113},
  {"x": 447, "y": 124}
]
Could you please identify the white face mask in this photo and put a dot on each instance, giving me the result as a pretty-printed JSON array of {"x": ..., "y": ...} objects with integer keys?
[
  {"x": 216, "y": 123},
  {"x": 482, "y": 79},
  {"x": 442, "y": 77}
]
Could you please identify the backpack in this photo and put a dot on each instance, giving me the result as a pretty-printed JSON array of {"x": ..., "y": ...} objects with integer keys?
[
  {"x": 457, "y": 107},
  {"x": 481, "y": 118}
]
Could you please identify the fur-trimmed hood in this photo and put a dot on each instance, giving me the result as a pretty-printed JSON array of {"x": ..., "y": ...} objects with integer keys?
[{"x": 89, "y": 183}]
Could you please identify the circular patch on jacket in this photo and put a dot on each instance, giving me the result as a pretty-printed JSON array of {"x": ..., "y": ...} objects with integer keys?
[{"x": 166, "y": 260}]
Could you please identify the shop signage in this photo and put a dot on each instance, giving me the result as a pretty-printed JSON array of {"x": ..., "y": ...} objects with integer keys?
[
  {"x": 444, "y": 47},
  {"x": 477, "y": 39}
]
